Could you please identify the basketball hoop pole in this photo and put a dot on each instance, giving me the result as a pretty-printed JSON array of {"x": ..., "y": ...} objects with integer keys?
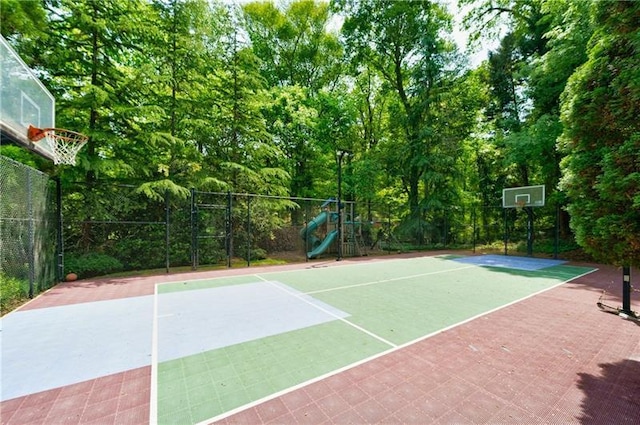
[
  {"x": 529, "y": 211},
  {"x": 626, "y": 291}
]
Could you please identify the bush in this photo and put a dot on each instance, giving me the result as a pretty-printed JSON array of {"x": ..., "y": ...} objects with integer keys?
[
  {"x": 13, "y": 292},
  {"x": 258, "y": 254},
  {"x": 92, "y": 264}
]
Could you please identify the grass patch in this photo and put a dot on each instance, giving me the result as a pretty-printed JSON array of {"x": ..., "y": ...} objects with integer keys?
[
  {"x": 13, "y": 293},
  {"x": 236, "y": 263}
]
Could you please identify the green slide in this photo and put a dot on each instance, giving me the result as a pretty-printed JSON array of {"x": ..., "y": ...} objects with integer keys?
[
  {"x": 317, "y": 245},
  {"x": 326, "y": 242}
]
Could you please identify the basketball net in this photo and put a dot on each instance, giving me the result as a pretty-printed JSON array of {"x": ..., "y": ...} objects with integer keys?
[
  {"x": 64, "y": 144},
  {"x": 520, "y": 205}
]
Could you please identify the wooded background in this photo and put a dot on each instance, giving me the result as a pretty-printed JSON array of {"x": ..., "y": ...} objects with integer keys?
[{"x": 261, "y": 98}]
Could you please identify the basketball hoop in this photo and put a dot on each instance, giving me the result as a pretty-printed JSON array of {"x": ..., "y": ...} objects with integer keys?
[
  {"x": 520, "y": 205},
  {"x": 64, "y": 144}
]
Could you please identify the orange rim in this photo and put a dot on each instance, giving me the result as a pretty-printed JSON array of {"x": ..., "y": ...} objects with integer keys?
[{"x": 36, "y": 134}]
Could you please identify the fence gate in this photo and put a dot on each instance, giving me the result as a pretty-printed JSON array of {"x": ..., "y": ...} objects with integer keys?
[{"x": 211, "y": 228}]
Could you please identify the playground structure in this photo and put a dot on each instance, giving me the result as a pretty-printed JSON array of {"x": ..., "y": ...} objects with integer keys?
[{"x": 321, "y": 232}]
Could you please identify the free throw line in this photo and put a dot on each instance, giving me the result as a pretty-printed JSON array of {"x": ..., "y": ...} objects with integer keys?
[{"x": 330, "y": 313}]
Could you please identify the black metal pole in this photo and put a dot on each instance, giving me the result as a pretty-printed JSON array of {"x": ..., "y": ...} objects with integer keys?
[
  {"x": 166, "y": 230},
  {"x": 59, "y": 232},
  {"x": 388, "y": 232},
  {"x": 506, "y": 231},
  {"x": 529, "y": 232},
  {"x": 445, "y": 228},
  {"x": 248, "y": 231},
  {"x": 340, "y": 156},
  {"x": 556, "y": 241},
  {"x": 306, "y": 234},
  {"x": 194, "y": 231},
  {"x": 626, "y": 290},
  {"x": 32, "y": 237},
  {"x": 474, "y": 230},
  {"x": 229, "y": 231}
]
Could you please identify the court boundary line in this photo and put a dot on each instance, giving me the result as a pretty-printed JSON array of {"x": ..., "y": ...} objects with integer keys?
[
  {"x": 300, "y": 296},
  {"x": 383, "y": 353},
  {"x": 153, "y": 391},
  {"x": 356, "y": 285},
  {"x": 308, "y": 268}
]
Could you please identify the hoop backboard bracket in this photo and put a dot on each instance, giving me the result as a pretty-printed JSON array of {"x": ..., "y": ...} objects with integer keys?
[{"x": 524, "y": 196}]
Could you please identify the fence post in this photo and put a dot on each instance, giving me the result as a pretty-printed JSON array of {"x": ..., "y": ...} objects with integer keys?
[
  {"x": 506, "y": 230},
  {"x": 194, "y": 231},
  {"x": 389, "y": 230},
  {"x": 59, "y": 234},
  {"x": 474, "y": 228},
  {"x": 229, "y": 230},
  {"x": 31, "y": 232},
  {"x": 445, "y": 228},
  {"x": 248, "y": 231},
  {"x": 556, "y": 239},
  {"x": 167, "y": 231}
]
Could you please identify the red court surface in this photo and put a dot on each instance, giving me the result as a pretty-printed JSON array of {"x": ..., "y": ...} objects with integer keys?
[{"x": 554, "y": 358}]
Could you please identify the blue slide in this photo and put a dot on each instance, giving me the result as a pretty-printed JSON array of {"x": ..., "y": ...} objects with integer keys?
[{"x": 318, "y": 246}]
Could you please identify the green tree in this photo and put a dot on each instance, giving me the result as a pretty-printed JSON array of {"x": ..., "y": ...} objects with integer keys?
[
  {"x": 246, "y": 154},
  {"x": 291, "y": 120},
  {"x": 298, "y": 57},
  {"x": 22, "y": 18},
  {"x": 402, "y": 42},
  {"x": 602, "y": 138},
  {"x": 293, "y": 43}
]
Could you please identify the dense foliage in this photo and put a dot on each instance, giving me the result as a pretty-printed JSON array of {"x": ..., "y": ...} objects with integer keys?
[
  {"x": 260, "y": 97},
  {"x": 602, "y": 137}
]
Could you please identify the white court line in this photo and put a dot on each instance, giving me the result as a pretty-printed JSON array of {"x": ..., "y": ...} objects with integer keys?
[
  {"x": 356, "y": 285},
  {"x": 308, "y": 268},
  {"x": 301, "y": 297},
  {"x": 153, "y": 393},
  {"x": 375, "y": 356}
]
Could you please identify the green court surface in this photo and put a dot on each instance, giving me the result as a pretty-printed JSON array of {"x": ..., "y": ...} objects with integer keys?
[{"x": 365, "y": 309}]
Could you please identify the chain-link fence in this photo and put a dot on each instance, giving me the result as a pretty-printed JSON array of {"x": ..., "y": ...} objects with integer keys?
[
  {"x": 526, "y": 232},
  {"x": 119, "y": 227},
  {"x": 28, "y": 229},
  {"x": 114, "y": 227}
]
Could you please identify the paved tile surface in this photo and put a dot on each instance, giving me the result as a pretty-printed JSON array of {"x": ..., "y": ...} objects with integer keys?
[{"x": 553, "y": 358}]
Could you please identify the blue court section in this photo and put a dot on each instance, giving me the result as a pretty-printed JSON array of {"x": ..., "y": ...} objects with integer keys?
[
  {"x": 509, "y": 262},
  {"x": 53, "y": 347},
  {"x": 195, "y": 321}
]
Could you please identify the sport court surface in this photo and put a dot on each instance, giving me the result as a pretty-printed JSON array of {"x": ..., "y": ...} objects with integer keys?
[{"x": 426, "y": 339}]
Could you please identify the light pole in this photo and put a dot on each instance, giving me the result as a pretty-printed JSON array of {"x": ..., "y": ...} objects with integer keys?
[{"x": 341, "y": 154}]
